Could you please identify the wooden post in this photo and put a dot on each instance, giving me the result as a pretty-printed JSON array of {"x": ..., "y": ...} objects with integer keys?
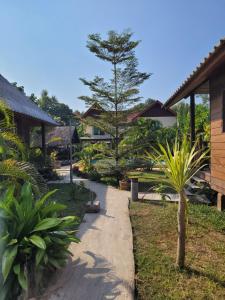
[
  {"x": 134, "y": 189},
  {"x": 220, "y": 202},
  {"x": 192, "y": 117},
  {"x": 43, "y": 144}
]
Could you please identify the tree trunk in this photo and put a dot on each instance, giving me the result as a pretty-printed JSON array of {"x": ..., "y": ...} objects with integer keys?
[
  {"x": 181, "y": 219},
  {"x": 117, "y": 125}
]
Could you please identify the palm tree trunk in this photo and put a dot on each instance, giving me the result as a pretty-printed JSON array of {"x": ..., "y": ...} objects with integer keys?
[{"x": 181, "y": 218}]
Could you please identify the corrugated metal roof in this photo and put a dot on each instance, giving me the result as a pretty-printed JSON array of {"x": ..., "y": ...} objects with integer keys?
[
  {"x": 20, "y": 103},
  {"x": 206, "y": 61}
]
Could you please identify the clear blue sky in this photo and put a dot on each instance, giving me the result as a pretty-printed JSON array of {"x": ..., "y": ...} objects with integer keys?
[{"x": 43, "y": 42}]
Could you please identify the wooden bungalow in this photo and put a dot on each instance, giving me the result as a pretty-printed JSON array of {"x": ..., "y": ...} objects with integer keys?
[
  {"x": 156, "y": 111},
  {"x": 26, "y": 113},
  {"x": 209, "y": 78}
]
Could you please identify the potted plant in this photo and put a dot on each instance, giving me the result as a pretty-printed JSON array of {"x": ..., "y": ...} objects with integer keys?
[
  {"x": 124, "y": 183},
  {"x": 56, "y": 164}
]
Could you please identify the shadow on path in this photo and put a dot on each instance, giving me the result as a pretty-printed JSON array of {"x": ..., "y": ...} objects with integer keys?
[{"x": 96, "y": 276}]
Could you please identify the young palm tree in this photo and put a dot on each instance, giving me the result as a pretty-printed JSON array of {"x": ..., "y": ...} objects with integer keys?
[{"x": 179, "y": 165}]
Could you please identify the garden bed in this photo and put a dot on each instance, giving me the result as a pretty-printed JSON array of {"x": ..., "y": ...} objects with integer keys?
[
  {"x": 74, "y": 196},
  {"x": 155, "y": 239}
]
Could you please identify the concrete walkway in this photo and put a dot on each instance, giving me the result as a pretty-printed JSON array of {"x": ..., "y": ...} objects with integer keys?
[{"x": 103, "y": 263}]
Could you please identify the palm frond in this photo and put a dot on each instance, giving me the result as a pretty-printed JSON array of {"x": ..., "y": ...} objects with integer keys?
[{"x": 25, "y": 172}]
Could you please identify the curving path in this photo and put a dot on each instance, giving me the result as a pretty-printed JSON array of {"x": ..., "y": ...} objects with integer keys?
[{"x": 103, "y": 263}]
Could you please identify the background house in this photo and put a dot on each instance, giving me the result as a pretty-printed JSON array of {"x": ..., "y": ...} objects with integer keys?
[
  {"x": 154, "y": 111},
  {"x": 93, "y": 133}
]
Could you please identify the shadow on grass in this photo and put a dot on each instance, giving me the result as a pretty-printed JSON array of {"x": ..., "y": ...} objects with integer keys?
[
  {"x": 152, "y": 202},
  {"x": 191, "y": 271}
]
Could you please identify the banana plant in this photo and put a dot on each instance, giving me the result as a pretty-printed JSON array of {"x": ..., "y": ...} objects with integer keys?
[{"x": 33, "y": 238}]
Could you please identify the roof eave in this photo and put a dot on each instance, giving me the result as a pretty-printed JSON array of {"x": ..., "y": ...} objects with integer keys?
[{"x": 200, "y": 75}]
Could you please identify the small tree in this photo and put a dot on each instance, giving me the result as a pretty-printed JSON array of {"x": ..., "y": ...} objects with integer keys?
[
  {"x": 121, "y": 91},
  {"x": 179, "y": 165}
]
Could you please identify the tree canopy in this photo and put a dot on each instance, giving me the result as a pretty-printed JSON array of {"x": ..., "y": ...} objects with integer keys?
[{"x": 118, "y": 94}]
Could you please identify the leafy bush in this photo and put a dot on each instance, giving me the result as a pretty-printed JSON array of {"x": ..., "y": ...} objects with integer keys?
[{"x": 34, "y": 239}]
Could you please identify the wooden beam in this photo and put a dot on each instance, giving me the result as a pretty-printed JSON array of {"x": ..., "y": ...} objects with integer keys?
[
  {"x": 43, "y": 139},
  {"x": 192, "y": 117},
  {"x": 220, "y": 202}
]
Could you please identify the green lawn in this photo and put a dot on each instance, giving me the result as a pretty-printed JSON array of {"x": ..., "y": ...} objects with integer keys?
[
  {"x": 148, "y": 180},
  {"x": 155, "y": 238},
  {"x": 73, "y": 196}
]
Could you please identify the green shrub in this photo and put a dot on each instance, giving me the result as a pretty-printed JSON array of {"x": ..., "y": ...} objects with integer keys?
[{"x": 34, "y": 239}]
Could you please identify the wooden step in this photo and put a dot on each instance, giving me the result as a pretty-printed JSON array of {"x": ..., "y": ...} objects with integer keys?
[
  {"x": 193, "y": 186},
  {"x": 198, "y": 179}
]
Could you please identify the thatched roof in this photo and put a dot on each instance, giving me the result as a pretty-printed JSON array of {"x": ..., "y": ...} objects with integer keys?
[
  {"x": 58, "y": 136},
  {"x": 21, "y": 104}
]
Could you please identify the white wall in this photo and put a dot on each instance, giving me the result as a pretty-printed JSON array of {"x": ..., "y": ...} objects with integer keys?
[
  {"x": 89, "y": 131},
  {"x": 166, "y": 121}
]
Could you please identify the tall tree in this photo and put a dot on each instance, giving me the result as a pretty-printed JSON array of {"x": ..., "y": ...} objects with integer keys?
[
  {"x": 59, "y": 111},
  {"x": 119, "y": 93}
]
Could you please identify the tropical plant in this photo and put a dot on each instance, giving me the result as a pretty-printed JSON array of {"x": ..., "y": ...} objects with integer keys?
[
  {"x": 33, "y": 239},
  {"x": 179, "y": 165},
  {"x": 145, "y": 134},
  {"x": 13, "y": 155},
  {"x": 90, "y": 153},
  {"x": 113, "y": 98}
]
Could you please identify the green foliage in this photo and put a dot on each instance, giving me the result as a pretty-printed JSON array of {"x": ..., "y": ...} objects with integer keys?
[
  {"x": 179, "y": 163},
  {"x": 59, "y": 111},
  {"x": 90, "y": 153},
  {"x": 144, "y": 135},
  {"x": 202, "y": 117},
  {"x": 13, "y": 155},
  {"x": 118, "y": 94},
  {"x": 33, "y": 236}
]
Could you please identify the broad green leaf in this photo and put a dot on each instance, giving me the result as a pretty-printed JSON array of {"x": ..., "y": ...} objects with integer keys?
[
  {"x": 38, "y": 241},
  {"x": 47, "y": 224},
  {"x": 59, "y": 233},
  {"x": 40, "y": 202},
  {"x": 56, "y": 263},
  {"x": 74, "y": 239},
  {"x": 22, "y": 280},
  {"x": 12, "y": 242},
  {"x": 53, "y": 208},
  {"x": 46, "y": 258},
  {"x": 39, "y": 256},
  {"x": 16, "y": 269},
  {"x": 8, "y": 258},
  {"x": 26, "y": 197}
]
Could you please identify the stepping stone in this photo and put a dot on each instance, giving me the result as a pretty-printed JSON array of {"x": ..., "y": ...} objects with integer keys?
[{"x": 93, "y": 207}]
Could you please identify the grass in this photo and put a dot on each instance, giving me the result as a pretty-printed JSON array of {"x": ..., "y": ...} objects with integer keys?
[
  {"x": 155, "y": 240},
  {"x": 73, "y": 196},
  {"x": 149, "y": 180}
]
